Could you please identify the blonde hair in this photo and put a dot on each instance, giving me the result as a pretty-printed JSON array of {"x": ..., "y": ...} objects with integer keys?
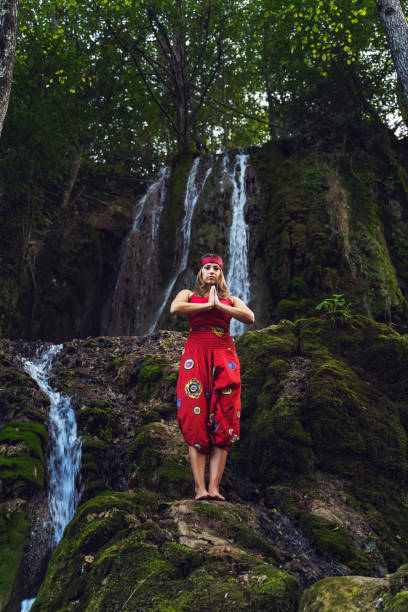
[{"x": 201, "y": 288}]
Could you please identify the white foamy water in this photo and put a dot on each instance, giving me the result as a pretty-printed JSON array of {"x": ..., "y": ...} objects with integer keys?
[
  {"x": 135, "y": 280},
  {"x": 64, "y": 446},
  {"x": 238, "y": 276},
  {"x": 193, "y": 192}
]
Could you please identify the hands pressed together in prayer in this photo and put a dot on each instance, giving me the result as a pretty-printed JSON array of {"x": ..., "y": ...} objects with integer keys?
[{"x": 213, "y": 299}]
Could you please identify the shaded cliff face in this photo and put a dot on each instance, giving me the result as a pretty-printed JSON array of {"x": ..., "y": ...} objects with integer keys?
[
  {"x": 315, "y": 486},
  {"x": 319, "y": 222}
]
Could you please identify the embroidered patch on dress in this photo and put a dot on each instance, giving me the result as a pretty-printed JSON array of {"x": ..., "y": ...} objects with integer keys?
[
  {"x": 193, "y": 388},
  {"x": 218, "y": 331},
  {"x": 211, "y": 417},
  {"x": 230, "y": 431},
  {"x": 197, "y": 410},
  {"x": 235, "y": 438},
  {"x": 197, "y": 446},
  {"x": 227, "y": 391},
  {"x": 239, "y": 414},
  {"x": 231, "y": 365},
  {"x": 213, "y": 370},
  {"x": 188, "y": 364},
  {"x": 178, "y": 403}
]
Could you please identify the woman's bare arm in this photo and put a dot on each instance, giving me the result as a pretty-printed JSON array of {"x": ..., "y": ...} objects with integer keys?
[
  {"x": 181, "y": 306},
  {"x": 238, "y": 310}
]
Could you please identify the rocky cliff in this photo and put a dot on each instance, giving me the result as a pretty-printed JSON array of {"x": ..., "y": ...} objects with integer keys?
[
  {"x": 316, "y": 487},
  {"x": 320, "y": 220}
]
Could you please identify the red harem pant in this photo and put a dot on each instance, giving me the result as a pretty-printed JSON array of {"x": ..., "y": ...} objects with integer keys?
[{"x": 209, "y": 389}]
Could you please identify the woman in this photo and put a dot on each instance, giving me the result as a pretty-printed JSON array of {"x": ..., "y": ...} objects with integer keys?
[{"x": 209, "y": 384}]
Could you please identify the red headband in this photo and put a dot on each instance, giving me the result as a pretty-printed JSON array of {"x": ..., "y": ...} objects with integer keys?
[{"x": 206, "y": 260}]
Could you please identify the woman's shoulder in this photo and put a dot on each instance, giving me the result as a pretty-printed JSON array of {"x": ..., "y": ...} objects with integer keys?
[
  {"x": 184, "y": 295},
  {"x": 230, "y": 298}
]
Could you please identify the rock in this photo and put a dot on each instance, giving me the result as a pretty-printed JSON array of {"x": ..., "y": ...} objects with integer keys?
[
  {"x": 343, "y": 593},
  {"x": 129, "y": 560}
]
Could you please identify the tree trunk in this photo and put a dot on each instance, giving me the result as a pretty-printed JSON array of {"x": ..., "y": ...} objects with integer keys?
[
  {"x": 270, "y": 98},
  {"x": 396, "y": 31},
  {"x": 72, "y": 180},
  {"x": 8, "y": 36}
]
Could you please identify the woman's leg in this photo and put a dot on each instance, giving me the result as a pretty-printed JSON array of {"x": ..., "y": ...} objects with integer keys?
[
  {"x": 218, "y": 458},
  {"x": 197, "y": 462}
]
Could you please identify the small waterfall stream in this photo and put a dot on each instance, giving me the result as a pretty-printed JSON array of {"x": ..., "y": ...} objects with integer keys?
[
  {"x": 64, "y": 459},
  {"x": 193, "y": 192},
  {"x": 237, "y": 276},
  {"x": 134, "y": 289}
]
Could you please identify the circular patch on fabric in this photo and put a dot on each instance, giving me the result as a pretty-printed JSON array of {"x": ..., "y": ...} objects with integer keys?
[
  {"x": 216, "y": 426},
  {"x": 230, "y": 431},
  {"x": 178, "y": 403},
  {"x": 235, "y": 438},
  {"x": 231, "y": 365},
  {"x": 193, "y": 388},
  {"x": 197, "y": 446},
  {"x": 211, "y": 417},
  {"x": 197, "y": 410},
  {"x": 188, "y": 364},
  {"x": 238, "y": 414},
  {"x": 227, "y": 391}
]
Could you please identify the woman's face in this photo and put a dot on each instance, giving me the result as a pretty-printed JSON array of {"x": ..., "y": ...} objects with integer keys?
[{"x": 211, "y": 273}]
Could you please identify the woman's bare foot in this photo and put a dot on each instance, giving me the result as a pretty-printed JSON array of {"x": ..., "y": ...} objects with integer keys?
[
  {"x": 201, "y": 494},
  {"x": 213, "y": 494}
]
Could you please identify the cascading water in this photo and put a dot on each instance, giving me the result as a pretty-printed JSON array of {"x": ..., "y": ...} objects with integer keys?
[
  {"x": 237, "y": 277},
  {"x": 64, "y": 459},
  {"x": 193, "y": 192},
  {"x": 134, "y": 289}
]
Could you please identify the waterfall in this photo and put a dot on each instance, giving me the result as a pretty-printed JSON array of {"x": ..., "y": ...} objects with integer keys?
[
  {"x": 64, "y": 458},
  {"x": 238, "y": 277},
  {"x": 193, "y": 192},
  {"x": 134, "y": 289}
]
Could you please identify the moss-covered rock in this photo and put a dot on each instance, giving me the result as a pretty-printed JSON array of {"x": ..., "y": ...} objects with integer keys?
[
  {"x": 343, "y": 594},
  {"x": 318, "y": 396},
  {"x": 335, "y": 542},
  {"x": 158, "y": 460},
  {"x": 14, "y": 529},
  {"x": 114, "y": 557}
]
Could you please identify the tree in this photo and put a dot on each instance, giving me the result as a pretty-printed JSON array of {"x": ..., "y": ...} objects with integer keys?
[
  {"x": 396, "y": 30},
  {"x": 177, "y": 48},
  {"x": 8, "y": 36}
]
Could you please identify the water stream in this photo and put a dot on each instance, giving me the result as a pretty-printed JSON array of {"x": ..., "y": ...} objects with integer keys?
[
  {"x": 238, "y": 276},
  {"x": 193, "y": 191},
  {"x": 135, "y": 285},
  {"x": 64, "y": 458}
]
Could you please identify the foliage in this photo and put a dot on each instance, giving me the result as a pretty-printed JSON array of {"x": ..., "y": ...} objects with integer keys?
[{"x": 336, "y": 308}]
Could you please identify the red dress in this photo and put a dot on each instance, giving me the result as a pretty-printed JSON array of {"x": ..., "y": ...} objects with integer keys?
[{"x": 209, "y": 382}]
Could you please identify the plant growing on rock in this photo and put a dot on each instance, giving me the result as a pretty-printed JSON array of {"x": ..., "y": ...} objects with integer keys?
[{"x": 335, "y": 308}]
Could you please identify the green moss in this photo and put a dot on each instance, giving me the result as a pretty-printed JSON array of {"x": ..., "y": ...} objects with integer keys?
[
  {"x": 335, "y": 543},
  {"x": 115, "y": 364},
  {"x": 14, "y": 528},
  {"x": 399, "y": 603},
  {"x": 238, "y": 527},
  {"x": 153, "y": 462},
  {"x": 150, "y": 375},
  {"x": 15, "y": 433},
  {"x": 29, "y": 469},
  {"x": 343, "y": 593},
  {"x": 97, "y": 421}
]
